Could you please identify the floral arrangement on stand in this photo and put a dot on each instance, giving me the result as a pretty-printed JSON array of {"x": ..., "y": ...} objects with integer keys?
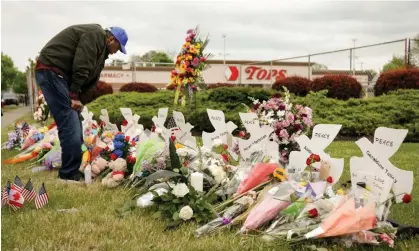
[
  {"x": 287, "y": 120},
  {"x": 41, "y": 110},
  {"x": 190, "y": 62}
]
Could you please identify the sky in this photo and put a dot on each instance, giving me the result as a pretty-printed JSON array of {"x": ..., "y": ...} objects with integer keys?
[{"x": 255, "y": 30}]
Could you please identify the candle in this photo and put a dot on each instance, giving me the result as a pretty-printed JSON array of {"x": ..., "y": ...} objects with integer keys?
[{"x": 197, "y": 181}]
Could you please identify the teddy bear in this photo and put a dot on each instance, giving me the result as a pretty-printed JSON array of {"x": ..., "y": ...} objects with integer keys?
[
  {"x": 116, "y": 177},
  {"x": 98, "y": 166}
]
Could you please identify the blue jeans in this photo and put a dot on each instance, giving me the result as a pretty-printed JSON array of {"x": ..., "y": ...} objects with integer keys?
[{"x": 57, "y": 95}]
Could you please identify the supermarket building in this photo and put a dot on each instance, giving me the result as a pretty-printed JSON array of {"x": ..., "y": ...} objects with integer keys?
[{"x": 232, "y": 72}]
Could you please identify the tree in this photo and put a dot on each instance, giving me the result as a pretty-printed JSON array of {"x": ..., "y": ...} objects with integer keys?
[
  {"x": 318, "y": 67},
  {"x": 20, "y": 86},
  {"x": 8, "y": 72},
  {"x": 414, "y": 51},
  {"x": 395, "y": 63},
  {"x": 152, "y": 56},
  {"x": 117, "y": 62}
]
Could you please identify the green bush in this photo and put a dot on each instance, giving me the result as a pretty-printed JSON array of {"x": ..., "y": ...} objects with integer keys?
[{"x": 359, "y": 117}]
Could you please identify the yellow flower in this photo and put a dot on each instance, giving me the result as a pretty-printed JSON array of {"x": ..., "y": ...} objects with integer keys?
[
  {"x": 178, "y": 146},
  {"x": 303, "y": 183},
  {"x": 279, "y": 173},
  {"x": 188, "y": 57},
  {"x": 340, "y": 191},
  {"x": 198, "y": 46},
  {"x": 193, "y": 50}
]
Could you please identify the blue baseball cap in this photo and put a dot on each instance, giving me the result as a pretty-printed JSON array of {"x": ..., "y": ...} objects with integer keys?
[{"x": 121, "y": 35}]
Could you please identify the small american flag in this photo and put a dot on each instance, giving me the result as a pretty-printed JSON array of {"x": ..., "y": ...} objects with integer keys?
[
  {"x": 29, "y": 192},
  {"x": 18, "y": 184},
  {"x": 5, "y": 194},
  {"x": 41, "y": 198}
]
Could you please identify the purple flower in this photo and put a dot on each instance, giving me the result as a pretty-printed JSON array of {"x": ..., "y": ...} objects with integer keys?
[
  {"x": 226, "y": 221},
  {"x": 297, "y": 127},
  {"x": 118, "y": 152}
]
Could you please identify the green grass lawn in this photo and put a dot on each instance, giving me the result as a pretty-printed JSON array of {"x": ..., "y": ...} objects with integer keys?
[
  {"x": 96, "y": 226},
  {"x": 8, "y": 108}
]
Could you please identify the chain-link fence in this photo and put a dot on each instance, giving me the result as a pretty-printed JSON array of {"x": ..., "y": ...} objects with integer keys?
[{"x": 364, "y": 63}]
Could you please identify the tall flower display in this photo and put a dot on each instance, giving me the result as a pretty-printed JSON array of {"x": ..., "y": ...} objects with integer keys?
[
  {"x": 190, "y": 62},
  {"x": 42, "y": 110}
]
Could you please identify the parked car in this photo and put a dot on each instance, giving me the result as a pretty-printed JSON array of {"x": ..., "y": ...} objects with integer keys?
[{"x": 10, "y": 99}]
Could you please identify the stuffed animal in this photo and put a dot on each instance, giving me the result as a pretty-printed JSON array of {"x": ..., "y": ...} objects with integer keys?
[
  {"x": 98, "y": 166},
  {"x": 116, "y": 177}
]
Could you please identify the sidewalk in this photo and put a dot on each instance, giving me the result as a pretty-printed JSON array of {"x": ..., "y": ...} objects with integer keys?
[{"x": 10, "y": 117}]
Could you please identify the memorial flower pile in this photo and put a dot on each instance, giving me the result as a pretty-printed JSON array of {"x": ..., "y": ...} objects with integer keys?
[{"x": 190, "y": 63}]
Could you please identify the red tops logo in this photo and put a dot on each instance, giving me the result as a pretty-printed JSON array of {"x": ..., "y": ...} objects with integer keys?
[{"x": 252, "y": 72}]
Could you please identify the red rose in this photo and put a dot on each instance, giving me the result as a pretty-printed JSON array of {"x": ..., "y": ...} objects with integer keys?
[
  {"x": 127, "y": 138},
  {"x": 407, "y": 198},
  {"x": 316, "y": 157},
  {"x": 114, "y": 156},
  {"x": 186, "y": 163},
  {"x": 308, "y": 161},
  {"x": 173, "y": 137},
  {"x": 203, "y": 59},
  {"x": 242, "y": 134},
  {"x": 313, "y": 213},
  {"x": 329, "y": 180},
  {"x": 102, "y": 123},
  {"x": 188, "y": 39},
  {"x": 124, "y": 122},
  {"x": 174, "y": 72},
  {"x": 225, "y": 157},
  {"x": 133, "y": 159},
  {"x": 193, "y": 87},
  {"x": 225, "y": 147},
  {"x": 107, "y": 148},
  {"x": 133, "y": 143},
  {"x": 153, "y": 128}
]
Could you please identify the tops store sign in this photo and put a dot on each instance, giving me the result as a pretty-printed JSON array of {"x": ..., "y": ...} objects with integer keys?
[{"x": 254, "y": 73}]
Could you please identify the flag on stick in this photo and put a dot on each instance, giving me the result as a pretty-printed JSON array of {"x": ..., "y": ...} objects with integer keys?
[
  {"x": 5, "y": 195},
  {"x": 41, "y": 198},
  {"x": 16, "y": 199},
  {"x": 18, "y": 184},
  {"x": 29, "y": 192}
]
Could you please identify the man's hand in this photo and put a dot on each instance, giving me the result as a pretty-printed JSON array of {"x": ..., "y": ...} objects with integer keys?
[{"x": 76, "y": 105}]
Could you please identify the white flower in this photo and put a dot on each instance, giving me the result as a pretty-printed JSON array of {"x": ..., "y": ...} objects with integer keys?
[
  {"x": 180, "y": 190},
  {"x": 219, "y": 175},
  {"x": 186, "y": 213},
  {"x": 182, "y": 152},
  {"x": 158, "y": 130},
  {"x": 217, "y": 142},
  {"x": 255, "y": 101}
]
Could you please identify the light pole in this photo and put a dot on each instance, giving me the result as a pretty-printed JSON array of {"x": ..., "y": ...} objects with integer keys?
[
  {"x": 353, "y": 56},
  {"x": 224, "y": 38}
]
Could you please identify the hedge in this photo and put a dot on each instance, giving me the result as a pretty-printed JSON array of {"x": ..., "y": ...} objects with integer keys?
[
  {"x": 218, "y": 85},
  {"x": 339, "y": 86},
  {"x": 138, "y": 87},
  {"x": 397, "y": 79},
  {"x": 101, "y": 88},
  {"x": 298, "y": 85},
  {"x": 359, "y": 117}
]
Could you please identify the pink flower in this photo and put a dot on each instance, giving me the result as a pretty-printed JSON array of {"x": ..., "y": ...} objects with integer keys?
[
  {"x": 307, "y": 121},
  {"x": 190, "y": 31},
  {"x": 387, "y": 239},
  {"x": 188, "y": 39},
  {"x": 298, "y": 107},
  {"x": 290, "y": 117},
  {"x": 195, "y": 62},
  {"x": 285, "y": 123},
  {"x": 284, "y": 134},
  {"x": 187, "y": 63}
]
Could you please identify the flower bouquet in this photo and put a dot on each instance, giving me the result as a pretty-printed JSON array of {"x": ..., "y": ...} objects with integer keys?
[
  {"x": 190, "y": 62},
  {"x": 288, "y": 121},
  {"x": 42, "y": 110}
]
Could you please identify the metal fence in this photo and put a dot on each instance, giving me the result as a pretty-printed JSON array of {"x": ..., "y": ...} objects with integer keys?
[{"x": 362, "y": 62}]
